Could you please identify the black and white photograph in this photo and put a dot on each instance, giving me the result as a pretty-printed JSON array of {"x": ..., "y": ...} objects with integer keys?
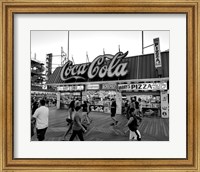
[{"x": 99, "y": 85}]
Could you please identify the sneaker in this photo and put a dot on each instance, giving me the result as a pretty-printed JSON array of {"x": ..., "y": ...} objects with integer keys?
[{"x": 116, "y": 122}]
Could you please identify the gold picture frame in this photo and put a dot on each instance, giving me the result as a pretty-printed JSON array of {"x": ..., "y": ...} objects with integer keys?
[{"x": 11, "y": 7}]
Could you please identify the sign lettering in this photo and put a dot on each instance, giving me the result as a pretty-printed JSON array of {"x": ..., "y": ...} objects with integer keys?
[
  {"x": 143, "y": 86},
  {"x": 71, "y": 88},
  {"x": 96, "y": 69},
  {"x": 157, "y": 55}
]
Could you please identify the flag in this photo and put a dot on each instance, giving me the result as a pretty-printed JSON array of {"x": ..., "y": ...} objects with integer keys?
[
  {"x": 87, "y": 58},
  {"x": 73, "y": 60}
]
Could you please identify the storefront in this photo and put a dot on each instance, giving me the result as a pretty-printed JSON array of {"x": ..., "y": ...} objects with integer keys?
[
  {"x": 119, "y": 77},
  {"x": 100, "y": 96},
  {"x": 50, "y": 96},
  {"x": 68, "y": 93},
  {"x": 150, "y": 95}
]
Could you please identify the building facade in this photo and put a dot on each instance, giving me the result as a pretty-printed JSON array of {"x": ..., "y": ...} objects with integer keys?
[{"x": 116, "y": 76}]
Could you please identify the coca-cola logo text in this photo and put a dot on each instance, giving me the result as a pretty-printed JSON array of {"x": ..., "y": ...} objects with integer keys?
[{"x": 96, "y": 69}]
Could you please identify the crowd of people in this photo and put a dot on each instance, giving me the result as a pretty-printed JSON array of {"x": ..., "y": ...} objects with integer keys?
[{"x": 78, "y": 118}]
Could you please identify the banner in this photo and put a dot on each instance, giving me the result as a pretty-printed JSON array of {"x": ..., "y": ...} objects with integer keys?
[
  {"x": 164, "y": 105},
  {"x": 157, "y": 54}
]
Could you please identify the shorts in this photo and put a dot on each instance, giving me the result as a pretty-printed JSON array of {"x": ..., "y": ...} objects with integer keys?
[
  {"x": 41, "y": 133},
  {"x": 113, "y": 112},
  {"x": 132, "y": 135},
  {"x": 135, "y": 135}
]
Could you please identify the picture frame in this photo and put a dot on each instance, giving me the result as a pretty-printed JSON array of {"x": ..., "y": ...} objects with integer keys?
[{"x": 9, "y": 8}]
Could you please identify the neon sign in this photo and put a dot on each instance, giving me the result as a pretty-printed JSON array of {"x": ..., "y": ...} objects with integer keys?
[{"x": 96, "y": 69}]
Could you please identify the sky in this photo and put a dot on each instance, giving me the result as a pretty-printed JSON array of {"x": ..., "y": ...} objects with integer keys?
[{"x": 93, "y": 43}]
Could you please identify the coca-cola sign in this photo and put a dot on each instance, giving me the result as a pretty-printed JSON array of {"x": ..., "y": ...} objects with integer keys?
[{"x": 97, "y": 68}]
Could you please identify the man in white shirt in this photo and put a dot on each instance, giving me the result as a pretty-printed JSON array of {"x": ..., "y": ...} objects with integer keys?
[{"x": 41, "y": 116}]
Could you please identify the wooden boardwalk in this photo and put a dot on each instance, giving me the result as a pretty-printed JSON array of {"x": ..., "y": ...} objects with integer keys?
[{"x": 151, "y": 129}]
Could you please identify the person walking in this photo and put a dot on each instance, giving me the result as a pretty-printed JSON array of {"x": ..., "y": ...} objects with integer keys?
[
  {"x": 133, "y": 124},
  {"x": 131, "y": 108},
  {"x": 34, "y": 105},
  {"x": 85, "y": 111},
  {"x": 126, "y": 104},
  {"x": 113, "y": 112},
  {"x": 77, "y": 127},
  {"x": 41, "y": 118},
  {"x": 70, "y": 119},
  {"x": 137, "y": 107}
]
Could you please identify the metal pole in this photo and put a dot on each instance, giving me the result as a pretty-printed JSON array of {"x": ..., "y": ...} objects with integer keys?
[
  {"x": 142, "y": 43},
  {"x": 68, "y": 46},
  {"x": 138, "y": 65},
  {"x": 61, "y": 56},
  {"x": 148, "y": 46}
]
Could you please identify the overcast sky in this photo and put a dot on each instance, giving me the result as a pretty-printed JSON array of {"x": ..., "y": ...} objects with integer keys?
[{"x": 93, "y": 42}]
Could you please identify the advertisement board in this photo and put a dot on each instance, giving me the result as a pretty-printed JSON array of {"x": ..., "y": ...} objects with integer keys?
[
  {"x": 93, "y": 87},
  {"x": 143, "y": 86},
  {"x": 71, "y": 88},
  {"x": 164, "y": 104},
  {"x": 111, "y": 86}
]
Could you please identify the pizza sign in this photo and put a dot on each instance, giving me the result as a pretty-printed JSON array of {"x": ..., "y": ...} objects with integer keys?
[
  {"x": 143, "y": 86},
  {"x": 157, "y": 54}
]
